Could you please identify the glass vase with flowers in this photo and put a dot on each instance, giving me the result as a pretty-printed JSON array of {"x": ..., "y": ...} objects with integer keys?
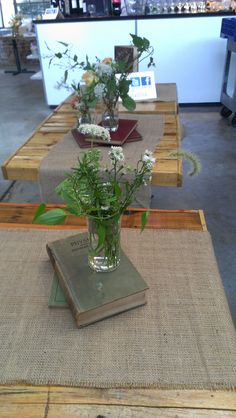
[
  {"x": 106, "y": 80},
  {"x": 84, "y": 102},
  {"x": 102, "y": 194}
]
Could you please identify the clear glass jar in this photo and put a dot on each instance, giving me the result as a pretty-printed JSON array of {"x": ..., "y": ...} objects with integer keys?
[
  {"x": 84, "y": 117},
  {"x": 110, "y": 116},
  {"x": 104, "y": 243}
]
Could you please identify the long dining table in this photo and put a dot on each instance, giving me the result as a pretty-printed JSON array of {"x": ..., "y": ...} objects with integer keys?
[{"x": 24, "y": 163}]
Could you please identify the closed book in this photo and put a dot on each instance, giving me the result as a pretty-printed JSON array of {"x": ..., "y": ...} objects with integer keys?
[
  {"x": 57, "y": 298},
  {"x": 129, "y": 54},
  {"x": 126, "y": 126},
  {"x": 134, "y": 136},
  {"x": 94, "y": 296},
  {"x": 80, "y": 138}
]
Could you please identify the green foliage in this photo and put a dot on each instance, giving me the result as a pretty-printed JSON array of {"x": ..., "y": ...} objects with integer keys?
[
  {"x": 144, "y": 219},
  {"x": 52, "y": 217},
  {"x": 100, "y": 79},
  {"x": 97, "y": 191}
]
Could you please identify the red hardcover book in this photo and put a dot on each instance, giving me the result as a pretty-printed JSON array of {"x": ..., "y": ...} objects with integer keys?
[
  {"x": 126, "y": 126},
  {"x": 81, "y": 141},
  {"x": 134, "y": 136}
]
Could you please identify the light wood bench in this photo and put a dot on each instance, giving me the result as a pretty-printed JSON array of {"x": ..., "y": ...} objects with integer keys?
[
  {"x": 20, "y": 215},
  {"x": 25, "y": 162},
  {"x": 23, "y": 401}
]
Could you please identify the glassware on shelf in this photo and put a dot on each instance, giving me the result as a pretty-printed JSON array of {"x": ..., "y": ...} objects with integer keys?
[
  {"x": 135, "y": 7},
  {"x": 153, "y": 7}
]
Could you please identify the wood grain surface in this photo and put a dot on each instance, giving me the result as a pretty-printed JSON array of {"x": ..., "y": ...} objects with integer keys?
[
  {"x": 20, "y": 215},
  {"x": 25, "y": 162}
]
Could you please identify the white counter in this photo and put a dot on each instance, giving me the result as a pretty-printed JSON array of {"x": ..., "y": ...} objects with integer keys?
[{"x": 188, "y": 51}]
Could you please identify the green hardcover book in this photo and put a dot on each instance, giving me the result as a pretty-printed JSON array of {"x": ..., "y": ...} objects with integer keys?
[
  {"x": 93, "y": 296},
  {"x": 57, "y": 298}
]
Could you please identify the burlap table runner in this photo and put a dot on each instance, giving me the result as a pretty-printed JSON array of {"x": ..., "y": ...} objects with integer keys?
[
  {"x": 64, "y": 155},
  {"x": 182, "y": 338}
]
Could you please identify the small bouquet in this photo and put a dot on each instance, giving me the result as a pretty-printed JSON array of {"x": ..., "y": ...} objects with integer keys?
[
  {"x": 15, "y": 23},
  {"x": 105, "y": 80}
]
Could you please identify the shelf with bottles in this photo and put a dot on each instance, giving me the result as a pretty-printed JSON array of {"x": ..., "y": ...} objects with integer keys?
[{"x": 155, "y": 7}]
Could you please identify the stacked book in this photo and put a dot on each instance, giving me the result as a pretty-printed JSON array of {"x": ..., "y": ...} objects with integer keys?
[
  {"x": 91, "y": 296},
  {"x": 127, "y": 132}
]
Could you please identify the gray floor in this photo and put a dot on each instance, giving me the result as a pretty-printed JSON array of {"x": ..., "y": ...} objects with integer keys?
[{"x": 212, "y": 138}]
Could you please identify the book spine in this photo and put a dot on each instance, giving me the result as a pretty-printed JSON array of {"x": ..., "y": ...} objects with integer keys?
[{"x": 62, "y": 279}]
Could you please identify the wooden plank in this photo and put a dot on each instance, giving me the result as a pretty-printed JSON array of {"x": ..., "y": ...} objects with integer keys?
[
  {"x": 158, "y": 398},
  {"x": 33, "y": 402},
  {"x": 45, "y": 128},
  {"x": 91, "y": 411},
  {"x": 21, "y": 215},
  {"x": 23, "y": 394},
  {"x": 146, "y": 397},
  {"x": 22, "y": 411}
]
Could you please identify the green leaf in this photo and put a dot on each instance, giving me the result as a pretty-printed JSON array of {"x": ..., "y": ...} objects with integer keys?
[
  {"x": 141, "y": 43},
  {"x": 63, "y": 43},
  {"x": 52, "y": 217},
  {"x": 118, "y": 190},
  {"x": 144, "y": 219},
  {"x": 124, "y": 87},
  {"x": 41, "y": 209},
  {"x": 129, "y": 103},
  {"x": 58, "y": 55},
  {"x": 75, "y": 58},
  {"x": 67, "y": 197},
  {"x": 73, "y": 210},
  {"x": 151, "y": 62},
  {"x": 51, "y": 59},
  {"x": 101, "y": 235},
  {"x": 65, "y": 76}
]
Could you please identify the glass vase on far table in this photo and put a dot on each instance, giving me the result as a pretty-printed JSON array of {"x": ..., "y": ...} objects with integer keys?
[{"x": 110, "y": 115}]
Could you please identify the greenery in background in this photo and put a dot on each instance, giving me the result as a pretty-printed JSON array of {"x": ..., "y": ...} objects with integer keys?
[
  {"x": 100, "y": 80},
  {"x": 15, "y": 23}
]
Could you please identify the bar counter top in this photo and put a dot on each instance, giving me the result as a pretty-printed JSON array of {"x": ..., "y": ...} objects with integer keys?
[{"x": 81, "y": 18}]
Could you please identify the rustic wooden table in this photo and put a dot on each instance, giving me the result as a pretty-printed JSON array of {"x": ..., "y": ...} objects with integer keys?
[
  {"x": 25, "y": 162},
  {"x": 23, "y": 401}
]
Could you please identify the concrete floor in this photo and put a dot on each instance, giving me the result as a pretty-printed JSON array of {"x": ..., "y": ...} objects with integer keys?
[{"x": 206, "y": 133}]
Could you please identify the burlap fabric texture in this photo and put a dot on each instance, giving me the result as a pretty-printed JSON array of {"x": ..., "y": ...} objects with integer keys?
[
  {"x": 64, "y": 155},
  {"x": 182, "y": 338}
]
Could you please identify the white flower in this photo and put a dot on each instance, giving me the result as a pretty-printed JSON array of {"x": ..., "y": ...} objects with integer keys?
[
  {"x": 116, "y": 153},
  {"x": 103, "y": 69},
  {"x": 99, "y": 90},
  {"x": 148, "y": 159},
  {"x": 94, "y": 131}
]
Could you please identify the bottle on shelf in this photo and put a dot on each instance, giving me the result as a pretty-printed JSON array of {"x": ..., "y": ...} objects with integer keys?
[
  {"x": 76, "y": 7},
  {"x": 62, "y": 7},
  {"x": 85, "y": 11},
  {"x": 116, "y": 7}
]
